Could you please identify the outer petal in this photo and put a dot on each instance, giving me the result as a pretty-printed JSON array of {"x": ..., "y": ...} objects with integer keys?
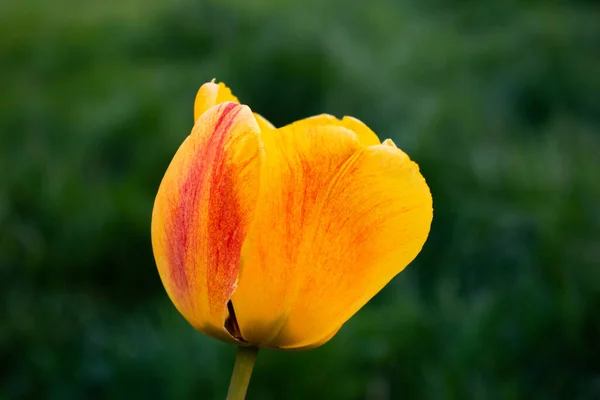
[
  {"x": 364, "y": 134},
  {"x": 337, "y": 222},
  {"x": 202, "y": 212},
  {"x": 211, "y": 94}
]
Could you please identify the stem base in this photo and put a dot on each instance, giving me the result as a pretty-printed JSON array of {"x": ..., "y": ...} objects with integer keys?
[{"x": 242, "y": 371}]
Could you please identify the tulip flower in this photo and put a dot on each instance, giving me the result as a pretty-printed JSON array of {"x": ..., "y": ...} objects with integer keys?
[{"x": 271, "y": 237}]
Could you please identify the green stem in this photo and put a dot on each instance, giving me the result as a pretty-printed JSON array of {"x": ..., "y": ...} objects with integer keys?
[{"x": 244, "y": 362}]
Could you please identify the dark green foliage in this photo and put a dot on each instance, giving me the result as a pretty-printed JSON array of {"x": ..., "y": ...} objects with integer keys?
[{"x": 499, "y": 103}]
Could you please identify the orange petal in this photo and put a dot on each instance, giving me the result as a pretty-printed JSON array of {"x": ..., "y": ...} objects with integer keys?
[
  {"x": 316, "y": 344},
  {"x": 364, "y": 134},
  {"x": 211, "y": 94},
  {"x": 202, "y": 212},
  {"x": 337, "y": 221}
]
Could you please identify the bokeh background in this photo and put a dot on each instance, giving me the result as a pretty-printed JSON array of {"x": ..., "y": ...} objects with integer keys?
[{"x": 498, "y": 101}]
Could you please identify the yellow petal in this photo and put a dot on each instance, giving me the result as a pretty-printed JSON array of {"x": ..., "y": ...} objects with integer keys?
[
  {"x": 263, "y": 123},
  {"x": 202, "y": 213},
  {"x": 389, "y": 142},
  {"x": 337, "y": 221},
  {"x": 211, "y": 94},
  {"x": 364, "y": 134}
]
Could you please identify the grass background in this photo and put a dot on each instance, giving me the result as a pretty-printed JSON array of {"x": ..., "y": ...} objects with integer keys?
[{"x": 499, "y": 103}]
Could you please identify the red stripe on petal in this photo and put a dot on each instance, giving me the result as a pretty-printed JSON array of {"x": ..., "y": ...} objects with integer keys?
[{"x": 206, "y": 226}]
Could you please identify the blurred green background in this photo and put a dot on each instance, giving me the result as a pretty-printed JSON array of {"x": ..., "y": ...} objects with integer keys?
[{"x": 499, "y": 103}]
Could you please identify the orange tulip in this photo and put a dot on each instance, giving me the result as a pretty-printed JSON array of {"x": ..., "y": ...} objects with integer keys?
[{"x": 272, "y": 237}]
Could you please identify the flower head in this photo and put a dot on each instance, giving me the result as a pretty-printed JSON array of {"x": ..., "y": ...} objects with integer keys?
[{"x": 276, "y": 237}]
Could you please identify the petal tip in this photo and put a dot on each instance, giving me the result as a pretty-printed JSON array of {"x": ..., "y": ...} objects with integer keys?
[{"x": 389, "y": 142}]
